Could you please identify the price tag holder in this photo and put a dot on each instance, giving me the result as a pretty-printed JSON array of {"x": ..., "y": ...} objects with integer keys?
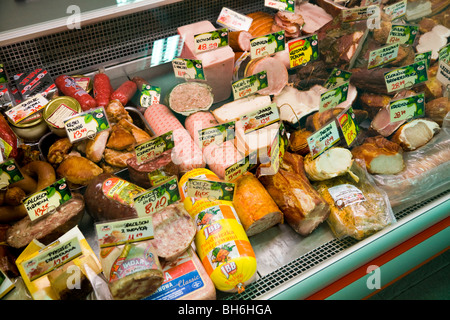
[
  {"x": 443, "y": 74},
  {"x": 323, "y": 139},
  {"x": 211, "y": 40},
  {"x": 27, "y": 108},
  {"x": 281, "y": 5},
  {"x": 260, "y": 118},
  {"x": 383, "y": 56},
  {"x": 249, "y": 85},
  {"x": 349, "y": 127},
  {"x": 332, "y": 98},
  {"x": 188, "y": 69},
  {"x": 115, "y": 233},
  {"x": 212, "y": 190},
  {"x": 406, "y": 77},
  {"x": 407, "y": 108},
  {"x": 303, "y": 50},
  {"x": 402, "y": 34},
  {"x": 52, "y": 257},
  {"x": 86, "y": 124},
  {"x": 396, "y": 10},
  {"x": 424, "y": 56},
  {"x": 242, "y": 166},
  {"x": 444, "y": 54},
  {"x": 337, "y": 78},
  {"x": 150, "y": 95},
  {"x": 9, "y": 173},
  {"x": 233, "y": 21},
  {"x": 48, "y": 199},
  {"x": 153, "y": 148},
  {"x": 217, "y": 134},
  {"x": 157, "y": 198},
  {"x": 267, "y": 45}
]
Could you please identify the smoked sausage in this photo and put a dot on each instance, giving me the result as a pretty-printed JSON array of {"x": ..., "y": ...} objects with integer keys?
[
  {"x": 102, "y": 89},
  {"x": 69, "y": 87},
  {"x": 125, "y": 92}
]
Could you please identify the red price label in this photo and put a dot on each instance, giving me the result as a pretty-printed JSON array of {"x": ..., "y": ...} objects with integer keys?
[{"x": 154, "y": 206}]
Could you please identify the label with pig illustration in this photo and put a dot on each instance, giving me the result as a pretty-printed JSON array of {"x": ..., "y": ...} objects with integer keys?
[
  {"x": 267, "y": 45},
  {"x": 115, "y": 233}
]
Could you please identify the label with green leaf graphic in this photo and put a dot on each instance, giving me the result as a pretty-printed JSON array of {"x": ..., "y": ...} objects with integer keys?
[
  {"x": 188, "y": 69},
  {"x": 407, "y": 108},
  {"x": 444, "y": 54},
  {"x": 48, "y": 199},
  {"x": 406, "y": 77},
  {"x": 282, "y": 5},
  {"x": 381, "y": 56},
  {"x": 332, "y": 98},
  {"x": 303, "y": 50},
  {"x": 396, "y": 10},
  {"x": 424, "y": 56},
  {"x": 212, "y": 190},
  {"x": 249, "y": 85},
  {"x": 242, "y": 166},
  {"x": 157, "y": 198},
  {"x": 402, "y": 34},
  {"x": 86, "y": 124},
  {"x": 359, "y": 13},
  {"x": 217, "y": 134},
  {"x": 153, "y": 148},
  {"x": 212, "y": 40},
  {"x": 9, "y": 173},
  {"x": 267, "y": 45},
  {"x": 149, "y": 95},
  {"x": 337, "y": 78},
  {"x": 260, "y": 118}
]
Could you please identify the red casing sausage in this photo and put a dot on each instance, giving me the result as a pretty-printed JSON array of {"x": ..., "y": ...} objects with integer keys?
[
  {"x": 102, "y": 89},
  {"x": 69, "y": 87},
  {"x": 125, "y": 92}
]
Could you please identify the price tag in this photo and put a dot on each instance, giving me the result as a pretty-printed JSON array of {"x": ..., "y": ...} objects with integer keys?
[
  {"x": 27, "y": 108},
  {"x": 217, "y": 134},
  {"x": 337, "y": 78},
  {"x": 149, "y": 95},
  {"x": 188, "y": 69},
  {"x": 282, "y": 5},
  {"x": 332, "y": 98},
  {"x": 407, "y": 108},
  {"x": 267, "y": 45},
  {"x": 383, "y": 55},
  {"x": 403, "y": 34},
  {"x": 360, "y": 13},
  {"x": 234, "y": 21},
  {"x": 48, "y": 199},
  {"x": 444, "y": 54},
  {"x": 86, "y": 124},
  {"x": 426, "y": 56},
  {"x": 443, "y": 74},
  {"x": 212, "y": 190},
  {"x": 349, "y": 127},
  {"x": 211, "y": 40},
  {"x": 260, "y": 118},
  {"x": 9, "y": 173},
  {"x": 6, "y": 285},
  {"x": 157, "y": 198},
  {"x": 249, "y": 85},
  {"x": 323, "y": 139},
  {"x": 303, "y": 50},
  {"x": 116, "y": 233},
  {"x": 52, "y": 257},
  {"x": 406, "y": 77},
  {"x": 396, "y": 10},
  {"x": 242, "y": 166},
  {"x": 153, "y": 148}
]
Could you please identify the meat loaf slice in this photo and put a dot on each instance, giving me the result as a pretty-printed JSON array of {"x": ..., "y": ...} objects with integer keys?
[
  {"x": 48, "y": 228},
  {"x": 174, "y": 231}
]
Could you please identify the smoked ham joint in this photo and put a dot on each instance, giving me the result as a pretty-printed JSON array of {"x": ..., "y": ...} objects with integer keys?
[{"x": 250, "y": 150}]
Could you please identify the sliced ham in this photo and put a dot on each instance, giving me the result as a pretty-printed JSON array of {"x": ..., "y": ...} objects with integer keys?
[
  {"x": 277, "y": 74},
  {"x": 314, "y": 17}
]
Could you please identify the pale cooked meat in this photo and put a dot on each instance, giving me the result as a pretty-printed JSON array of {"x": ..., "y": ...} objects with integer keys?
[
  {"x": 139, "y": 135},
  {"x": 95, "y": 147}
]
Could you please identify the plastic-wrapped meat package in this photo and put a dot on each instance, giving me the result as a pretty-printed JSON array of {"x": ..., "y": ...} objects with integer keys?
[
  {"x": 217, "y": 64},
  {"x": 218, "y": 157},
  {"x": 427, "y": 169},
  {"x": 186, "y": 152}
]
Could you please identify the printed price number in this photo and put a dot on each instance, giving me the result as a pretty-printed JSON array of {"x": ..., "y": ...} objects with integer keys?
[
  {"x": 205, "y": 47},
  {"x": 398, "y": 114},
  {"x": 160, "y": 203},
  {"x": 398, "y": 85},
  {"x": 60, "y": 260},
  {"x": 79, "y": 133}
]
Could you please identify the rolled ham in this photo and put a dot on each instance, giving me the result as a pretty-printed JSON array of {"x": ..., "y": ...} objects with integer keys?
[
  {"x": 277, "y": 74},
  {"x": 186, "y": 152},
  {"x": 218, "y": 157}
]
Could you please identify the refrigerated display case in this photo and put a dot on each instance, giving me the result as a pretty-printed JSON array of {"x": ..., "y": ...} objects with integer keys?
[{"x": 120, "y": 37}]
